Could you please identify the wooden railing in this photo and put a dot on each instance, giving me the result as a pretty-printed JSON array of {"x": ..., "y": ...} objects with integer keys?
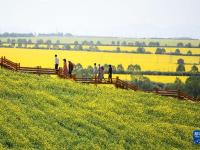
[
  {"x": 116, "y": 81},
  {"x": 172, "y": 93},
  {"x": 38, "y": 70},
  {"x": 9, "y": 64},
  {"x": 4, "y": 62}
]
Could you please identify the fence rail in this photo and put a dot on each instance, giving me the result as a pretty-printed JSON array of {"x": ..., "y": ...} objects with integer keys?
[{"x": 4, "y": 62}]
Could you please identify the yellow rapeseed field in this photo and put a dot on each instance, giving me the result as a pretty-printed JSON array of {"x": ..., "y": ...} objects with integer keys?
[
  {"x": 150, "y": 49},
  {"x": 45, "y": 58},
  {"x": 161, "y": 79}
]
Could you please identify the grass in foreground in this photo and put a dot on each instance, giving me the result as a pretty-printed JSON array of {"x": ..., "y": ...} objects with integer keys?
[{"x": 46, "y": 113}]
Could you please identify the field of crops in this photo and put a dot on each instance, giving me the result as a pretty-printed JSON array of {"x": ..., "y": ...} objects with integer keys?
[
  {"x": 40, "y": 112},
  {"x": 45, "y": 58},
  {"x": 124, "y": 48},
  {"x": 108, "y": 40},
  {"x": 160, "y": 79}
]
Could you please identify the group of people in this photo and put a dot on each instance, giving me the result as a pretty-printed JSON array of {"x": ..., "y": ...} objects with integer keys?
[
  {"x": 67, "y": 67},
  {"x": 97, "y": 72},
  {"x": 100, "y": 71}
]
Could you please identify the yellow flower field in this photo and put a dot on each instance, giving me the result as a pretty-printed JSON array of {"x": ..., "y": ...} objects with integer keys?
[
  {"x": 150, "y": 49},
  {"x": 161, "y": 79},
  {"x": 45, "y": 58}
]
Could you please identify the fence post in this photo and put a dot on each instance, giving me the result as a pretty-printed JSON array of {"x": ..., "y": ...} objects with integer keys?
[
  {"x": 38, "y": 70},
  {"x": 60, "y": 71},
  {"x": 1, "y": 61},
  {"x": 117, "y": 80},
  {"x": 179, "y": 94}
]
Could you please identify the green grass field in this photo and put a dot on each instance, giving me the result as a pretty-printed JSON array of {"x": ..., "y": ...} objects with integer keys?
[{"x": 41, "y": 112}]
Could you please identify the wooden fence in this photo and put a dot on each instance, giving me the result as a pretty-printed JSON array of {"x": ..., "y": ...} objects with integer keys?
[
  {"x": 115, "y": 81},
  {"x": 4, "y": 62}
]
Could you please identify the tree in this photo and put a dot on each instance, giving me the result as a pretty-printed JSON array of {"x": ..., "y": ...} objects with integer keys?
[
  {"x": 29, "y": 41},
  {"x": 85, "y": 42},
  {"x": 192, "y": 85},
  {"x": 189, "y": 53},
  {"x": 114, "y": 69},
  {"x": 120, "y": 68},
  {"x": 180, "y": 68},
  {"x": 113, "y": 43},
  {"x": 136, "y": 68},
  {"x": 118, "y": 42},
  {"x": 118, "y": 49},
  {"x": 13, "y": 42},
  {"x": 36, "y": 45},
  {"x": 177, "y": 51},
  {"x": 75, "y": 42},
  {"x": 48, "y": 44},
  {"x": 140, "y": 44},
  {"x": 140, "y": 50},
  {"x": 9, "y": 41},
  {"x": 78, "y": 67},
  {"x": 180, "y": 61},
  {"x": 153, "y": 44},
  {"x": 105, "y": 67},
  {"x": 40, "y": 41},
  {"x": 130, "y": 68},
  {"x": 90, "y": 69},
  {"x": 93, "y": 48},
  {"x": 189, "y": 45},
  {"x": 58, "y": 42},
  {"x": 194, "y": 69},
  {"x": 124, "y": 43},
  {"x": 160, "y": 51},
  {"x": 142, "y": 82},
  {"x": 91, "y": 43},
  {"x": 78, "y": 47},
  {"x": 98, "y": 43},
  {"x": 180, "y": 44},
  {"x": 66, "y": 47}
]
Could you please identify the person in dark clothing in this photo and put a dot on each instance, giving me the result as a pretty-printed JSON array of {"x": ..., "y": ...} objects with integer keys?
[
  {"x": 110, "y": 73},
  {"x": 71, "y": 67}
]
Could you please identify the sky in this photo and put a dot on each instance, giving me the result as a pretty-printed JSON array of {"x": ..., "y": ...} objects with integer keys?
[{"x": 121, "y": 18}]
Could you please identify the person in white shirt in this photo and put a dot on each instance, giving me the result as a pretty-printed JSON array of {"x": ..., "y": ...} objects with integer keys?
[{"x": 56, "y": 62}]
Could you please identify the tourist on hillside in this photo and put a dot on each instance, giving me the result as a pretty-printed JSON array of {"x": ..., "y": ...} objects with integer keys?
[
  {"x": 71, "y": 67},
  {"x": 95, "y": 71},
  {"x": 102, "y": 73},
  {"x": 99, "y": 71},
  {"x": 110, "y": 73},
  {"x": 65, "y": 68},
  {"x": 56, "y": 62}
]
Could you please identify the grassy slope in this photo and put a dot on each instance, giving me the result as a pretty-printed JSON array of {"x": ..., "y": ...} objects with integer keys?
[{"x": 43, "y": 112}]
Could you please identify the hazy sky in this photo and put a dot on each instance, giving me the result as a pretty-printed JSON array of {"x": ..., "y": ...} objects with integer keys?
[{"x": 126, "y": 18}]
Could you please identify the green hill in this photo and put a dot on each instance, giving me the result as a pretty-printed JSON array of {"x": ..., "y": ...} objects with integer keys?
[{"x": 41, "y": 112}]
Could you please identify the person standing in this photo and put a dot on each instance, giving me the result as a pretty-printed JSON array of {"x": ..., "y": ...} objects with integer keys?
[
  {"x": 65, "y": 68},
  {"x": 102, "y": 73},
  {"x": 110, "y": 73},
  {"x": 99, "y": 71},
  {"x": 95, "y": 72},
  {"x": 56, "y": 62},
  {"x": 71, "y": 67}
]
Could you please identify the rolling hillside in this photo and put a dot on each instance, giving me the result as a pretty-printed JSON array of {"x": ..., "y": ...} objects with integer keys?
[{"x": 41, "y": 112}]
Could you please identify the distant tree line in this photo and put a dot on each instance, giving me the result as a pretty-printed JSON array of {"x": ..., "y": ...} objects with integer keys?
[{"x": 91, "y": 46}]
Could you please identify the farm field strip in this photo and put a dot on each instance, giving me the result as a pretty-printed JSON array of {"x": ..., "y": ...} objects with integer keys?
[{"x": 45, "y": 58}]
